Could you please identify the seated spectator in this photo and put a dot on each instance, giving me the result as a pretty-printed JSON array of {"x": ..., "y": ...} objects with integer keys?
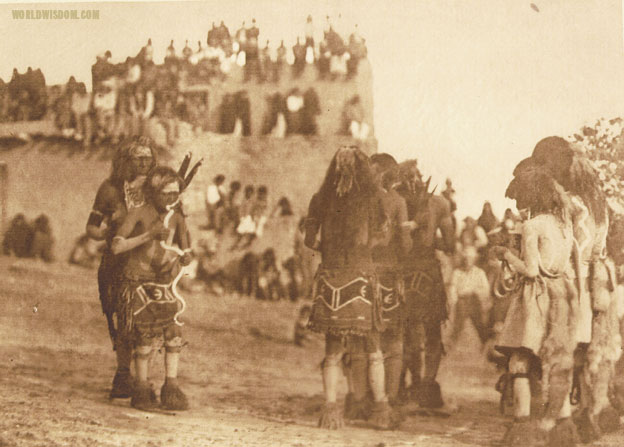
[
  {"x": 259, "y": 211},
  {"x": 283, "y": 208},
  {"x": 246, "y": 229},
  {"x": 269, "y": 284},
  {"x": 302, "y": 333},
  {"x": 233, "y": 204},
  {"x": 18, "y": 238},
  {"x": 43, "y": 240},
  {"x": 294, "y": 278},
  {"x": 353, "y": 117}
]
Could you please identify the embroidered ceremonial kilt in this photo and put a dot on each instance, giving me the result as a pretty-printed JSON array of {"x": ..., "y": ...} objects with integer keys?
[
  {"x": 151, "y": 307},
  {"x": 345, "y": 302},
  {"x": 425, "y": 294},
  {"x": 391, "y": 296}
]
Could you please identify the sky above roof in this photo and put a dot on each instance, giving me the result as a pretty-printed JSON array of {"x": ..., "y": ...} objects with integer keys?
[{"x": 466, "y": 87}]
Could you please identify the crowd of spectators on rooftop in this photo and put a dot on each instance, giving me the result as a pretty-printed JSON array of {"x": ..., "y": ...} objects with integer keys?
[{"x": 155, "y": 87}]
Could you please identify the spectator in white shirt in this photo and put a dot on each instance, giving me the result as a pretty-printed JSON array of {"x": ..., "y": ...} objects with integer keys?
[{"x": 470, "y": 293}]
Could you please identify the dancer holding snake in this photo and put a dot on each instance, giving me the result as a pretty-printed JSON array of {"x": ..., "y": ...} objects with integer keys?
[{"x": 148, "y": 288}]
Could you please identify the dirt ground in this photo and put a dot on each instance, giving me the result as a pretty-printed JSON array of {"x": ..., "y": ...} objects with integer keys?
[{"x": 248, "y": 384}]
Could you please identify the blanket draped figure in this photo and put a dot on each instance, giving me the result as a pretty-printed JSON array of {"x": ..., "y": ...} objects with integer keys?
[
  {"x": 347, "y": 214},
  {"x": 151, "y": 302},
  {"x": 118, "y": 194},
  {"x": 426, "y": 306}
]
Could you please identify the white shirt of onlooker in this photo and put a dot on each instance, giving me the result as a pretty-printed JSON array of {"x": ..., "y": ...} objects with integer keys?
[{"x": 212, "y": 194}]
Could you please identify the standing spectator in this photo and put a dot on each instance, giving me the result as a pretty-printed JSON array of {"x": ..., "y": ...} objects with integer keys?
[
  {"x": 187, "y": 52},
  {"x": 488, "y": 220},
  {"x": 253, "y": 32},
  {"x": 324, "y": 59},
  {"x": 80, "y": 105},
  {"x": 227, "y": 114},
  {"x": 309, "y": 40},
  {"x": 294, "y": 112},
  {"x": 357, "y": 51},
  {"x": 214, "y": 200},
  {"x": 299, "y": 52},
  {"x": 309, "y": 33},
  {"x": 211, "y": 40},
  {"x": 449, "y": 195},
  {"x": 170, "y": 54},
  {"x": 242, "y": 109},
  {"x": 224, "y": 39},
  {"x": 470, "y": 292},
  {"x": 353, "y": 116},
  {"x": 240, "y": 45},
  {"x": 280, "y": 61},
  {"x": 311, "y": 109},
  {"x": 265, "y": 64},
  {"x": 473, "y": 235}
]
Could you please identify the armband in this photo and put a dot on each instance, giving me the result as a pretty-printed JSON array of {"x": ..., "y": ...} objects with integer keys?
[{"x": 95, "y": 218}]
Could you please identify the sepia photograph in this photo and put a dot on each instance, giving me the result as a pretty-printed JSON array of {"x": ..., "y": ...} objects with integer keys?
[{"x": 302, "y": 223}]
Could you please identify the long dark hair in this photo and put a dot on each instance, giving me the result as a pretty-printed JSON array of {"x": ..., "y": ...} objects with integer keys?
[
  {"x": 348, "y": 176},
  {"x": 121, "y": 169},
  {"x": 539, "y": 191},
  {"x": 571, "y": 170},
  {"x": 348, "y": 196}
]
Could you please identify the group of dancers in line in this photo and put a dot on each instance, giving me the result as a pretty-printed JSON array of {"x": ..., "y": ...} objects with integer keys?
[{"x": 379, "y": 294}]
